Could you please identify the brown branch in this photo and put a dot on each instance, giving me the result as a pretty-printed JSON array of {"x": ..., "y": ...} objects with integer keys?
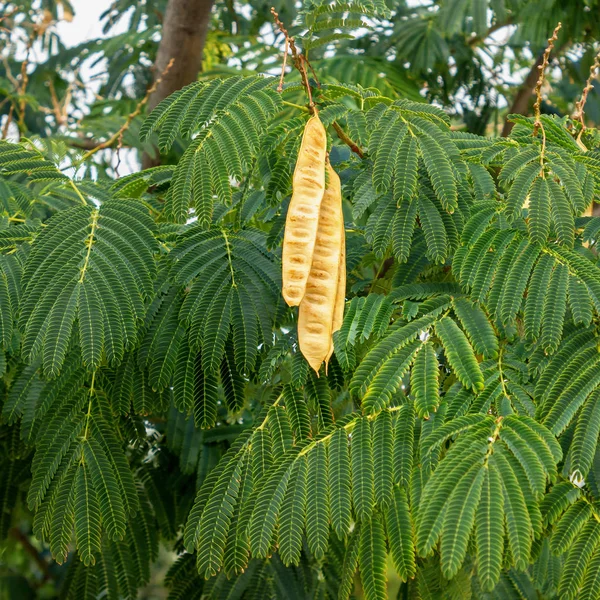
[
  {"x": 299, "y": 59},
  {"x": 348, "y": 141},
  {"x": 8, "y": 121},
  {"x": 18, "y": 535},
  {"x": 480, "y": 38},
  {"x": 138, "y": 109},
  {"x": 301, "y": 62}
]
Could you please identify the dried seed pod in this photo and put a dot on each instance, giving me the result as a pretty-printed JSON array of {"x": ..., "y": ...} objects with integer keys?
[
  {"x": 316, "y": 315},
  {"x": 340, "y": 297},
  {"x": 303, "y": 213}
]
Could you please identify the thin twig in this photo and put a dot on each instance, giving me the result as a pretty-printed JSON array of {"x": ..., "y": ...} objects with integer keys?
[
  {"x": 138, "y": 109},
  {"x": 538, "y": 86},
  {"x": 301, "y": 62},
  {"x": 299, "y": 59},
  {"x": 285, "y": 53},
  {"x": 538, "y": 95},
  {"x": 580, "y": 106},
  {"x": 344, "y": 138}
]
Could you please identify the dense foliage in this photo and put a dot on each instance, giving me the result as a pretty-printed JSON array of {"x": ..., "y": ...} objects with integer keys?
[{"x": 153, "y": 393}]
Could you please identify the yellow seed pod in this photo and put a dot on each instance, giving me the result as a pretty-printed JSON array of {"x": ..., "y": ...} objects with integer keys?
[
  {"x": 316, "y": 315},
  {"x": 340, "y": 297},
  {"x": 303, "y": 213}
]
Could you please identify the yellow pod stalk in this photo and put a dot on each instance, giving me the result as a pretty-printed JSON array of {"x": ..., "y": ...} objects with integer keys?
[
  {"x": 340, "y": 297},
  {"x": 303, "y": 214},
  {"x": 316, "y": 315}
]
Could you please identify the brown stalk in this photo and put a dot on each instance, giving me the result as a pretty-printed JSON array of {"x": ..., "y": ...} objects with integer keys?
[
  {"x": 301, "y": 62},
  {"x": 580, "y": 106}
]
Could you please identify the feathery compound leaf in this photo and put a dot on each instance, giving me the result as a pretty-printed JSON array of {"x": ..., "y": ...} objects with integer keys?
[
  {"x": 297, "y": 411},
  {"x": 350, "y": 564},
  {"x": 233, "y": 282},
  {"x": 387, "y": 152},
  {"x": 433, "y": 228},
  {"x": 554, "y": 308},
  {"x": 317, "y": 504},
  {"x": 477, "y": 326},
  {"x": 362, "y": 469},
  {"x": 585, "y": 439},
  {"x": 95, "y": 265},
  {"x": 458, "y": 520},
  {"x": 578, "y": 560},
  {"x": 87, "y": 517},
  {"x": 568, "y": 528},
  {"x": 562, "y": 214},
  {"x": 579, "y": 301},
  {"x": 339, "y": 483},
  {"x": 405, "y": 176},
  {"x": 403, "y": 444},
  {"x": 424, "y": 381},
  {"x": 459, "y": 353},
  {"x": 268, "y": 504},
  {"x": 372, "y": 559},
  {"x": 536, "y": 294},
  {"x": 489, "y": 524},
  {"x": 382, "y": 458},
  {"x": 518, "y": 523},
  {"x": 292, "y": 515},
  {"x": 539, "y": 212},
  {"x": 439, "y": 169},
  {"x": 399, "y": 529},
  {"x": 229, "y": 116},
  {"x": 520, "y": 189},
  {"x": 216, "y": 517}
]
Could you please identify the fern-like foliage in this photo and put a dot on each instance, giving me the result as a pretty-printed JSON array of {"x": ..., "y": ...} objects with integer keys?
[
  {"x": 226, "y": 119},
  {"x": 153, "y": 387},
  {"x": 90, "y": 271}
]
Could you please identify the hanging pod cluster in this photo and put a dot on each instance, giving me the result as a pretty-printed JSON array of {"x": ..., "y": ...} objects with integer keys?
[{"x": 314, "y": 262}]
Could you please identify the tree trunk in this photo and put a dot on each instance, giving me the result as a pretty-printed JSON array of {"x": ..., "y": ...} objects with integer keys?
[
  {"x": 183, "y": 36},
  {"x": 520, "y": 104}
]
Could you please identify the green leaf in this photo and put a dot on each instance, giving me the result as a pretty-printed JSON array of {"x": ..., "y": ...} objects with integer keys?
[
  {"x": 111, "y": 504},
  {"x": 399, "y": 529},
  {"x": 350, "y": 564},
  {"x": 539, "y": 212},
  {"x": 459, "y": 519},
  {"x": 216, "y": 518},
  {"x": 292, "y": 515},
  {"x": 87, "y": 517},
  {"x": 578, "y": 560},
  {"x": 518, "y": 523},
  {"x": 424, "y": 381},
  {"x": 382, "y": 458},
  {"x": 477, "y": 326},
  {"x": 317, "y": 502},
  {"x": 372, "y": 559},
  {"x": 267, "y": 506},
  {"x": 404, "y": 444},
  {"x": 459, "y": 353},
  {"x": 554, "y": 308},
  {"x": 562, "y": 215},
  {"x": 339, "y": 483},
  {"x": 585, "y": 439},
  {"x": 489, "y": 528},
  {"x": 362, "y": 469}
]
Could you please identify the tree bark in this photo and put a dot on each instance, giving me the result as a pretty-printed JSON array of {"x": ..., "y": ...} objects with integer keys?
[
  {"x": 183, "y": 35},
  {"x": 520, "y": 104}
]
